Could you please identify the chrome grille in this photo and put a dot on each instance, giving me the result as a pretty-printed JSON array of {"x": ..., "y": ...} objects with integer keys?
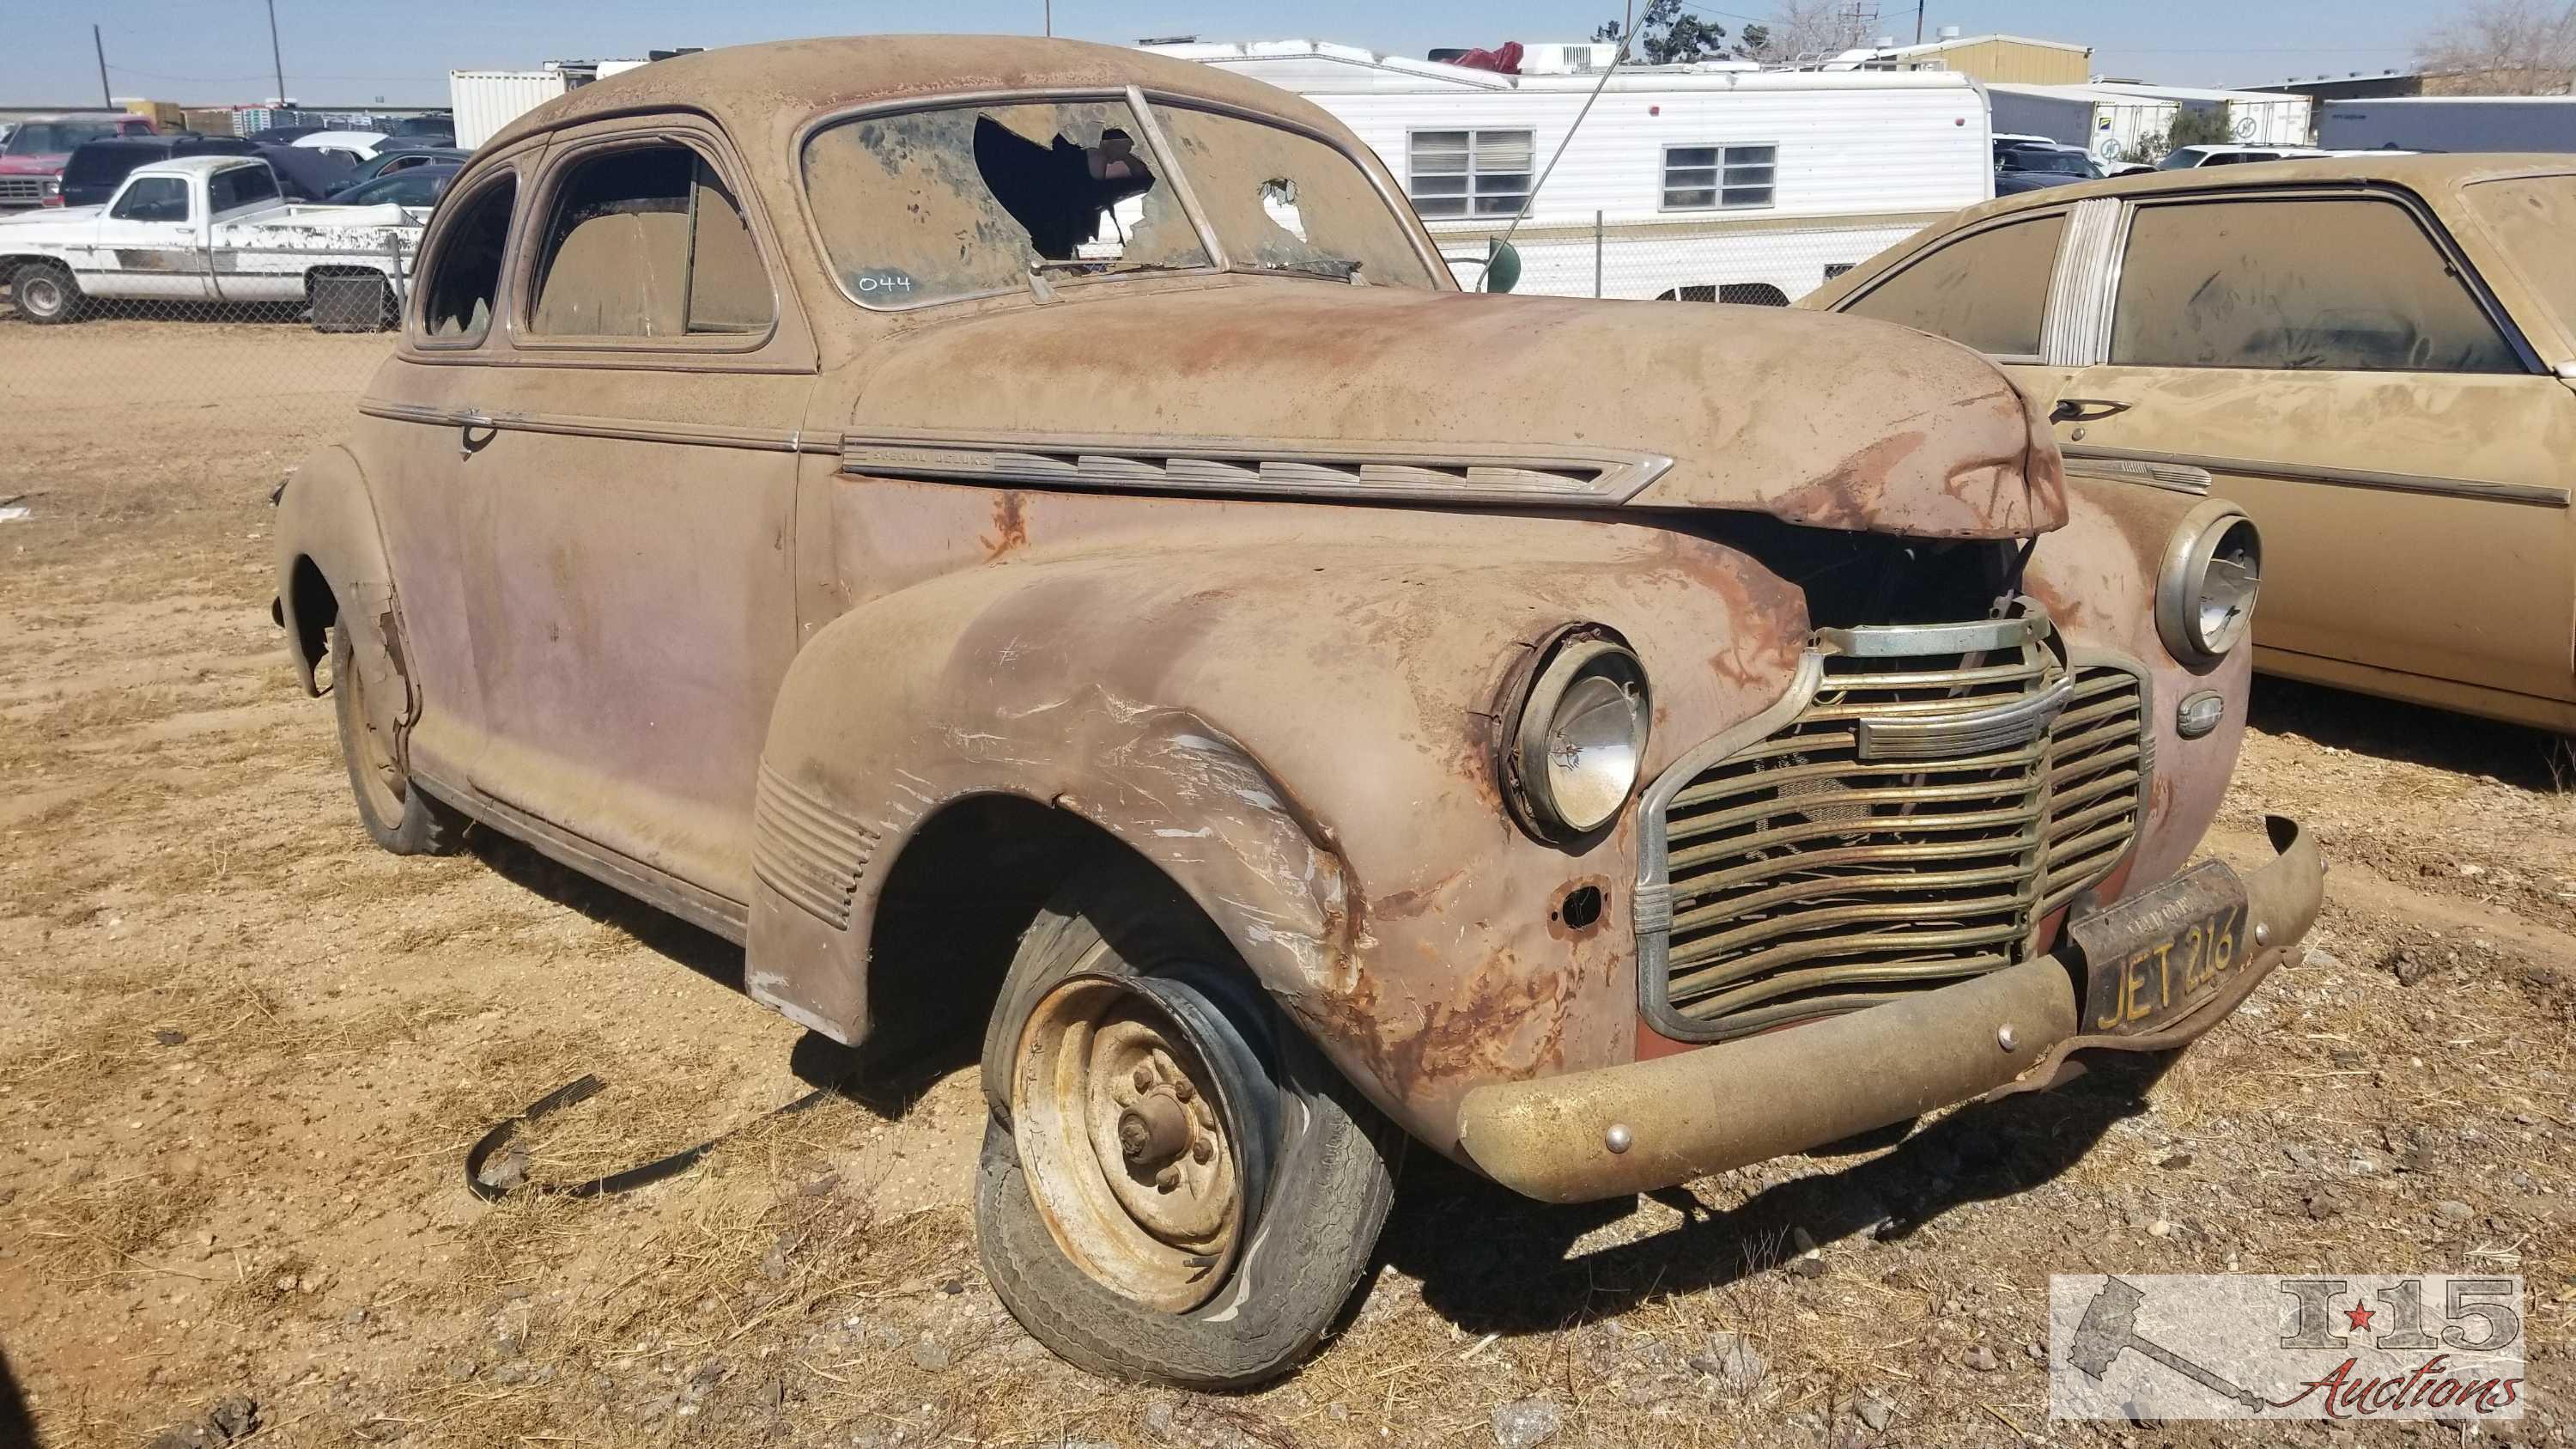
[
  {"x": 1843, "y": 858},
  {"x": 22, "y": 190}
]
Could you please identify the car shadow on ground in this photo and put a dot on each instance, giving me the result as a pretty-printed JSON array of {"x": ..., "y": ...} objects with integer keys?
[
  {"x": 1491, "y": 1261},
  {"x": 2529, "y": 758},
  {"x": 885, "y": 1077}
]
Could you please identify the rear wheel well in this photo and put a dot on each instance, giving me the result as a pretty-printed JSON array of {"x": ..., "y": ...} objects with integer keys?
[
  {"x": 954, "y": 907},
  {"x": 315, "y": 608}
]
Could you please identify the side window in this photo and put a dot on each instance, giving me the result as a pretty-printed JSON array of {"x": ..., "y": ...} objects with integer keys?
[
  {"x": 239, "y": 187},
  {"x": 2251, "y": 284},
  {"x": 154, "y": 198},
  {"x": 465, "y": 272},
  {"x": 647, "y": 241},
  {"x": 1988, "y": 290},
  {"x": 1703, "y": 178},
  {"x": 1469, "y": 173}
]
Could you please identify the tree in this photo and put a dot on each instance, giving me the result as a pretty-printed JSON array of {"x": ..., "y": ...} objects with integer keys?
[
  {"x": 2501, "y": 48},
  {"x": 2201, "y": 126},
  {"x": 1667, "y": 36},
  {"x": 1800, "y": 32}
]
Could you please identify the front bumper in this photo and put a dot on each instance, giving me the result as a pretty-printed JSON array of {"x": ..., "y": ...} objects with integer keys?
[{"x": 1723, "y": 1106}]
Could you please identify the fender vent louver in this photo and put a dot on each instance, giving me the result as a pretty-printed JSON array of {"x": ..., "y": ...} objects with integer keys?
[
  {"x": 1209, "y": 465},
  {"x": 808, "y": 850}
]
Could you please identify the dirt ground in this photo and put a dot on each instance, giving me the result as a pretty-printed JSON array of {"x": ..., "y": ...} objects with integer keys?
[{"x": 242, "y": 1054}]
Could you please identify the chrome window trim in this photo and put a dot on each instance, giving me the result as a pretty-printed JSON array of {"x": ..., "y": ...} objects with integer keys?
[{"x": 2078, "y": 320}]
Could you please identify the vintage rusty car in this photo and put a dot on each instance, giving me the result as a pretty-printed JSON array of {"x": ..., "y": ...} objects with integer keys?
[
  {"x": 1029, "y": 538},
  {"x": 2373, "y": 356}
]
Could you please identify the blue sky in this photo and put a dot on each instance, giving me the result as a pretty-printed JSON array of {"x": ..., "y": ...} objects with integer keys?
[{"x": 353, "y": 51}]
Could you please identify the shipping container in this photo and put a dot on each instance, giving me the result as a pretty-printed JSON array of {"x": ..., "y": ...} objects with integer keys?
[
  {"x": 1723, "y": 183},
  {"x": 484, "y": 101}
]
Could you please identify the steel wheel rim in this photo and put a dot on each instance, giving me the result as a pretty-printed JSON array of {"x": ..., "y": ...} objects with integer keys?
[
  {"x": 1131, "y": 1137},
  {"x": 42, "y": 294}
]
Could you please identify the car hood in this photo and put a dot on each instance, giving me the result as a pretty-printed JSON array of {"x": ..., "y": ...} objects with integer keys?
[
  {"x": 52, "y": 215},
  {"x": 1831, "y": 421},
  {"x": 41, "y": 163}
]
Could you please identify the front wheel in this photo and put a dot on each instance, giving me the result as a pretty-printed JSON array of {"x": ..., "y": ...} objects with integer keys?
[
  {"x": 1175, "y": 1187},
  {"x": 45, "y": 294},
  {"x": 397, "y": 815}
]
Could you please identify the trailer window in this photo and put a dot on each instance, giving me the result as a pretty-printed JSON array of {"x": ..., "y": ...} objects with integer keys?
[
  {"x": 647, "y": 241},
  {"x": 154, "y": 198},
  {"x": 2296, "y": 284},
  {"x": 465, "y": 269},
  {"x": 1988, "y": 290},
  {"x": 1719, "y": 178},
  {"x": 1469, "y": 173}
]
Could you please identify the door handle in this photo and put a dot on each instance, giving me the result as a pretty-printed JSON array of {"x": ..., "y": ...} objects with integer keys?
[
  {"x": 467, "y": 425},
  {"x": 2085, "y": 410}
]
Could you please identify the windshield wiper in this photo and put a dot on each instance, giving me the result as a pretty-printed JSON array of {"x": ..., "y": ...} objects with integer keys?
[
  {"x": 1331, "y": 269},
  {"x": 1109, "y": 268}
]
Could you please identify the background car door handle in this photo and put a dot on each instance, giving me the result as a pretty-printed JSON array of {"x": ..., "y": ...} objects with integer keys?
[{"x": 2085, "y": 410}]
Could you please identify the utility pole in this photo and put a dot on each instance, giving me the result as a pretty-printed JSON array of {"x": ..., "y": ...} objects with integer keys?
[
  {"x": 1918, "y": 22},
  {"x": 104, "y": 98},
  {"x": 275, "y": 57},
  {"x": 1050, "y": 17}
]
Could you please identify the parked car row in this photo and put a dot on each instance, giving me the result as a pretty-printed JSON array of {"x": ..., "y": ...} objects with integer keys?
[{"x": 32, "y": 159}]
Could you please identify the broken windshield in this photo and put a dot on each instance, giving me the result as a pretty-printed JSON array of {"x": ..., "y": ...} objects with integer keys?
[
  {"x": 1282, "y": 201},
  {"x": 934, "y": 206},
  {"x": 928, "y": 206}
]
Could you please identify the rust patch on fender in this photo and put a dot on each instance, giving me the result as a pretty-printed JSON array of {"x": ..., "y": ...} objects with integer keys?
[{"x": 1010, "y": 525}]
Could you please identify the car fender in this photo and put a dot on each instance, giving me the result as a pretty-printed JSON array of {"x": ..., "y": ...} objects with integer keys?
[
  {"x": 1304, "y": 749},
  {"x": 331, "y": 568}
]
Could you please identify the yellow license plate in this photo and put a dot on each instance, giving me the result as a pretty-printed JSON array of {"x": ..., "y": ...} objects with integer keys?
[{"x": 2150, "y": 960}]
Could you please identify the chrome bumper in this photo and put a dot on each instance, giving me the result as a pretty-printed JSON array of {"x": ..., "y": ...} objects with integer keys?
[{"x": 1619, "y": 1130}]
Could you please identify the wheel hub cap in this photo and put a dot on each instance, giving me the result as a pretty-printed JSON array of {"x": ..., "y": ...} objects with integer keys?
[{"x": 1124, "y": 1136}]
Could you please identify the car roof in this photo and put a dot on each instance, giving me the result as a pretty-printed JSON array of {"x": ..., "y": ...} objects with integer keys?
[
  {"x": 2423, "y": 174},
  {"x": 340, "y": 138},
  {"x": 764, "y": 94},
  {"x": 197, "y": 165}
]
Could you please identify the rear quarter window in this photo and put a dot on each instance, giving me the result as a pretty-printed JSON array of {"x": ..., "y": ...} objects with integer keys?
[{"x": 1988, "y": 289}]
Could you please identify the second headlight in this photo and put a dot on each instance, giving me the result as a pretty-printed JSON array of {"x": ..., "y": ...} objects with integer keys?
[
  {"x": 2213, "y": 571},
  {"x": 1580, "y": 739}
]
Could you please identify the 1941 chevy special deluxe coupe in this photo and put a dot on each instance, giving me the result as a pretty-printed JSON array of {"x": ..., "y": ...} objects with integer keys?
[{"x": 1029, "y": 535}]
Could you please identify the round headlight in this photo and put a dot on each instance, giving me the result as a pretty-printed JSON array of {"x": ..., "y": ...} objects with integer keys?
[
  {"x": 2213, "y": 570},
  {"x": 1581, "y": 738}
]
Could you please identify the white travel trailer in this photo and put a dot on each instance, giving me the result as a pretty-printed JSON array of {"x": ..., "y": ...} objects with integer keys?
[
  {"x": 2115, "y": 126},
  {"x": 1723, "y": 183}
]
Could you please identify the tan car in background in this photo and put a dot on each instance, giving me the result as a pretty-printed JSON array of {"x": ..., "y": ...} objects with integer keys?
[{"x": 2374, "y": 357}]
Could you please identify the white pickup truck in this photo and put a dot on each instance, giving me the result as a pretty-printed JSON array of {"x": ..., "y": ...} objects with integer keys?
[{"x": 212, "y": 229}]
